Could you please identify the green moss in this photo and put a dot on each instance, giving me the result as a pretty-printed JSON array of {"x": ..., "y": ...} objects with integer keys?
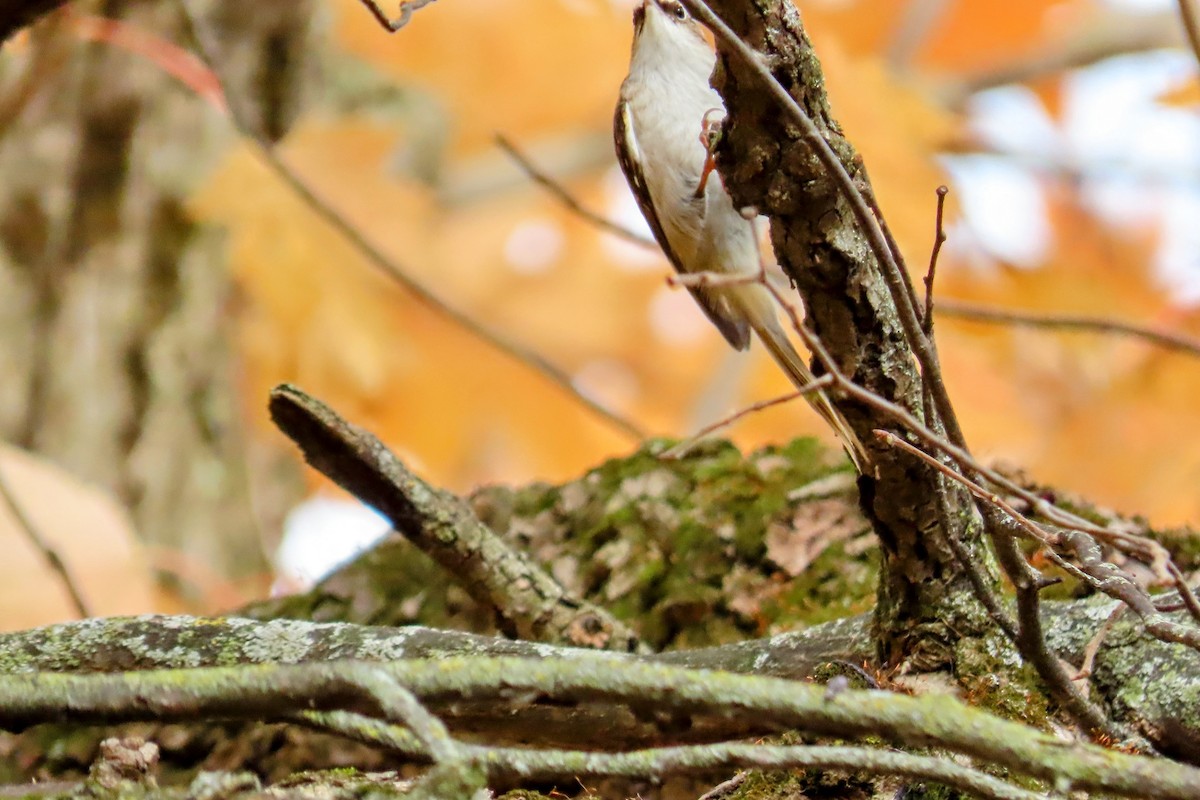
[
  {"x": 678, "y": 547},
  {"x": 833, "y": 586},
  {"x": 993, "y": 678}
]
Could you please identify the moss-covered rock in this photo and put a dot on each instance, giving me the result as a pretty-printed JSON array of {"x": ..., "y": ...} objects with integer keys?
[{"x": 700, "y": 550}]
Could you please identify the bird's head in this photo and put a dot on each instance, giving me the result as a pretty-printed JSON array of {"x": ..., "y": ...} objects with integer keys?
[{"x": 666, "y": 21}]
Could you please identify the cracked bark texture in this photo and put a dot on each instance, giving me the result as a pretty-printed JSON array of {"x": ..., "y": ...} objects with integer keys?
[
  {"x": 113, "y": 331},
  {"x": 925, "y": 601}
]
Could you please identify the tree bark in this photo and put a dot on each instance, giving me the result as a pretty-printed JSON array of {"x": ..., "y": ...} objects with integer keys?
[
  {"x": 114, "y": 333},
  {"x": 925, "y": 600}
]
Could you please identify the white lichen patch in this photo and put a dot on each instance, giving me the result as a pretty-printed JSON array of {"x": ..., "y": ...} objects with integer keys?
[
  {"x": 573, "y": 497},
  {"x": 769, "y": 463},
  {"x": 280, "y": 641},
  {"x": 836, "y": 484},
  {"x": 394, "y": 647},
  {"x": 652, "y": 485}
]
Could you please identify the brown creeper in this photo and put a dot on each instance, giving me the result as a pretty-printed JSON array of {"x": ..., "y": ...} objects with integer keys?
[{"x": 661, "y": 127}]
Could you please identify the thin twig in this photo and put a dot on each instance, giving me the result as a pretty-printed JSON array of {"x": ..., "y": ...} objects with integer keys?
[
  {"x": 918, "y": 20},
  {"x": 1185, "y": 592},
  {"x": 1191, "y": 25},
  {"x": 683, "y": 448},
  {"x": 976, "y": 489},
  {"x": 407, "y": 7},
  {"x": 1030, "y": 637},
  {"x": 499, "y": 341},
  {"x": 1109, "y": 579},
  {"x": 560, "y": 193},
  {"x": 404, "y": 277},
  {"x": 894, "y": 275},
  {"x": 547, "y": 765},
  {"x": 43, "y": 546},
  {"x": 1120, "y": 33},
  {"x": 1093, "y": 570},
  {"x": 939, "y": 238},
  {"x": 1069, "y": 322},
  {"x": 1093, "y": 646},
  {"x": 1031, "y": 641},
  {"x": 982, "y": 583},
  {"x": 725, "y": 789}
]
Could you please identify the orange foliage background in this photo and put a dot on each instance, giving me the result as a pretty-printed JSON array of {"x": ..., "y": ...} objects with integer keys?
[{"x": 1113, "y": 418}]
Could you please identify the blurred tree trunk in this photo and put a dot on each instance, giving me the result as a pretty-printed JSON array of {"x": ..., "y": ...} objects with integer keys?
[{"x": 114, "y": 303}]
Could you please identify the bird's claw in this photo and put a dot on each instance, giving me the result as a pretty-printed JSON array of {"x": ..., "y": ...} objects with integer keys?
[{"x": 710, "y": 134}]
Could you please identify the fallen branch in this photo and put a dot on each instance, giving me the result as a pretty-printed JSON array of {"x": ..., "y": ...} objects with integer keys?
[
  {"x": 527, "y": 601},
  {"x": 405, "y": 693}
]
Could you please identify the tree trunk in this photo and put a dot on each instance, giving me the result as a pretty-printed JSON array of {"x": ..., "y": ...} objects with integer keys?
[
  {"x": 117, "y": 306},
  {"x": 925, "y": 600}
]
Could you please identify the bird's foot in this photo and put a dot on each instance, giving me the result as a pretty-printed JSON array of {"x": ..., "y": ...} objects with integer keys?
[{"x": 710, "y": 134}]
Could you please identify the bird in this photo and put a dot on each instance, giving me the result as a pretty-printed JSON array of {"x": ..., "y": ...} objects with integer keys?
[{"x": 663, "y": 129}]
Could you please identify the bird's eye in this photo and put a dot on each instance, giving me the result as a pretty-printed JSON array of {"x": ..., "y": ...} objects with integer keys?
[{"x": 680, "y": 12}]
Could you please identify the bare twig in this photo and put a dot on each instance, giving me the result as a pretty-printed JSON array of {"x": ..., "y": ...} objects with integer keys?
[
  {"x": 527, "y": 600},
  {"x": 44, "y": 548},
  {"x": 1186, "y": 595},
  {"x": 1093, "y": 646},
  {"x": 1121, "y": 33},
  {"x": 1093, "y": 569},
  {"x": 1109, "y": 579},
  {"x": 1030, "y": 638},
  {"x": 683, "y": 448},
  {"x": 525, "y": 764},
  {"x": 1191, "y": 25},
  {"x": 548, "y": 765},
  {"x": 425, "y": 295},
  {"x": 725, "y": 789},
  {"x": 1068, "y": 322},
  {"x": 407, "y": 7},
  {"x": 560, "y": 193},
  {"x": 939, "y": 238},
  {"x": 918, "y": 20}
]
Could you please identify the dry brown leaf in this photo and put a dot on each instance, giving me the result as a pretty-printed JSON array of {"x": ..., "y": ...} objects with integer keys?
[
  {"x": 89, "y": 531},
  {"x": 815, "y": 526}
]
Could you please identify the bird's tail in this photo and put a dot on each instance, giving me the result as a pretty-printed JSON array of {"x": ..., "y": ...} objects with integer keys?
[{"x": 792, "y": 363}]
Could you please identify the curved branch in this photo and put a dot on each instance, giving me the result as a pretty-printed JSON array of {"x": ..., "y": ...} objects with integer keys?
[
  {"x": 447, "y": 686},
  {"x": 1069, "y": 322},
  {"x": 528, "y": 602}
]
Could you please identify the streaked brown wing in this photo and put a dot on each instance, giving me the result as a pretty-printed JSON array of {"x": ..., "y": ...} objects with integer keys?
[{"x": 735, "y": 329}]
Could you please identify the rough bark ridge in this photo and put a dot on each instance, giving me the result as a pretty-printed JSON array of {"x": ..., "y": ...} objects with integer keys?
[
  {"x": 924, "y": 601},
  {"x": 115, "y": 298}
]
